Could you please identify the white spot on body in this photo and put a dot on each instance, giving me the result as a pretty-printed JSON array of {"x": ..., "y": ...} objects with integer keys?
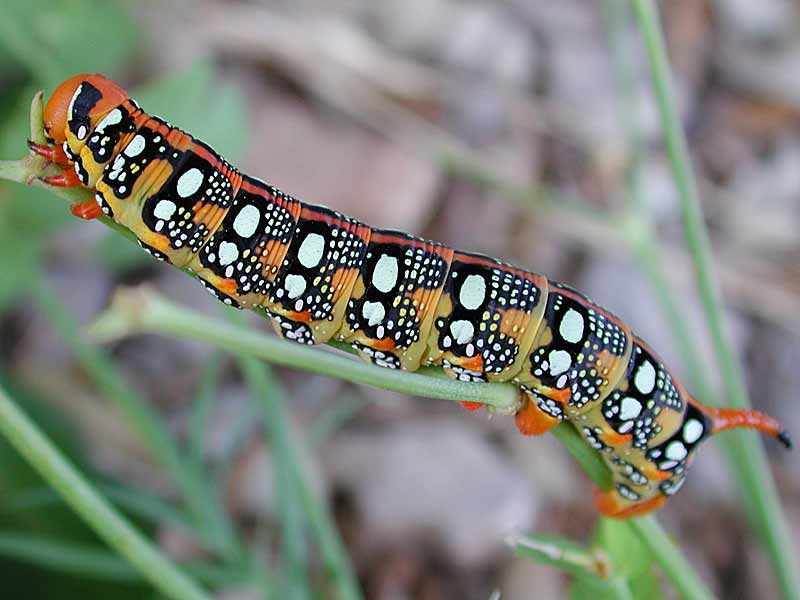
[
  {"x": 82, "y": 131},
  {"x": 112, "y": 118},
  {"x": 473, "y": 292},
  {"x": 228, "y": 253},
  {"x": 560, "y": 361},
  {"x": 630, "y": 408},
  {"x": 295, "y": 285},
  {"x": 190, "y": 182},
  {"x": 571, "y": 326},
  {"x": 310, "y": 252},
  {"x": 373, "y": 312},
  {"x": 116, "y": 167},
  {"x": 462, "y": 331},
  {"x": 246, "y": 222},
  {"x": 165, "y": 209},
  {"x": 676, "y": 451},
  {"x": 384, "y": 277},
  {"x": 135, "y": 147},
  {"x": 692, "y": 431},
  {"x": 645, "y": 378}
]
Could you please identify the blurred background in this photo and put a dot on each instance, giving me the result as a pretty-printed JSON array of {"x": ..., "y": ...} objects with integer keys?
[{"x": 518, "y": 129}]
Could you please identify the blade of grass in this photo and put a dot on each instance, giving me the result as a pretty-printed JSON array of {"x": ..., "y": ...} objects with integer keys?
[
  {"x": 209, "y": 517},
  {"x": 267, "y": 393},
  {"x": 136, "y": 503},
  {"x": 201, "y": 409},
  {"x": 117, "y": 532},
  {"x": 334, "y": 555},
  {"x": 92, "y": 562},
  {"x": 751, "y": 467},
  {"x": 81, "y": 560}
]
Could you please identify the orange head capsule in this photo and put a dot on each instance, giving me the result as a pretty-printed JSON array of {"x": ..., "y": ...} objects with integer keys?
[{"x": 76, "y": 106}]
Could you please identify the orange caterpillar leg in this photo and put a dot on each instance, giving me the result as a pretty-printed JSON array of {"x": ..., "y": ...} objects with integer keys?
[
  {"x": 471, "y": 406},
  {"x": 531, "y": 420},
  {"x": 610, "y": 504},
  {"x": 55, "y": 154},
  {"x": 86, "y": 210},
  {"x": 66, "y": 179},
  {"x": 731, "y": 418}
]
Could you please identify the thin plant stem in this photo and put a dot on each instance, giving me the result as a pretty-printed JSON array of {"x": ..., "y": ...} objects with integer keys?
[
  {"x": 134, "y": 311},
  {"x": 671, "y": 560},
  {"x": 746, "y": 451},
  {"x": 141, "y": 310},
  {"x": 208, "y": 515},
  {"x": 112, "y": 527},
  {"x": 267, "y": 395}
]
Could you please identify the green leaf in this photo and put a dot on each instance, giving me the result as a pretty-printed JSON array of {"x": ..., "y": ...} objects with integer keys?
[{"x": 55, "y": 39}]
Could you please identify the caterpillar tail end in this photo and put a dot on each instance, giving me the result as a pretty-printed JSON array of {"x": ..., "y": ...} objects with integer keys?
[{"x": 731, "y": 418}]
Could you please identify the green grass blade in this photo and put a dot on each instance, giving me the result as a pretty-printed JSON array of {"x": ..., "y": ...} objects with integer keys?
[
  {"x": 745, "y": 451},
  {"x": 92, "y": 562},
  {"x": 671, "y": 560},
  {"x": 207, "y": 513},
  {"x": 268, "y": 395},
  {"x": 201, "y": 409},
  {"x": 136, "y": 503},
  {"x": 117, "y": 532},
  {"x": 81, "y": 560},
  {"x": 334, "y": 554}
]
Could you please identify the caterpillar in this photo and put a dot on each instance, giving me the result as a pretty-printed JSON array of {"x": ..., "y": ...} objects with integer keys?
[{"x": 399, "y": 300}]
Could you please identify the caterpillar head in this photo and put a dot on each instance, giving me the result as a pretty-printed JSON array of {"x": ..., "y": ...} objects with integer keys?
[{"x": 77, "y": 105}]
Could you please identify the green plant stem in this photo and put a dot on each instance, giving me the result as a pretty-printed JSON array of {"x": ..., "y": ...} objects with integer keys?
[
  {"x": 208, "y": 516},
  {"x": 292, "y": 475},
  {"x": 135, "y": 311},
  {"x": 141, "y": 310},
  {"x": 334, "y": 554},
  {"x": 746, "y": 451},
  {"x": 671, "y": 560},
  {"x": 590, "y": 462},
  {"x": 118, "y": 533},
  {"x": 267, "y": 394}
]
